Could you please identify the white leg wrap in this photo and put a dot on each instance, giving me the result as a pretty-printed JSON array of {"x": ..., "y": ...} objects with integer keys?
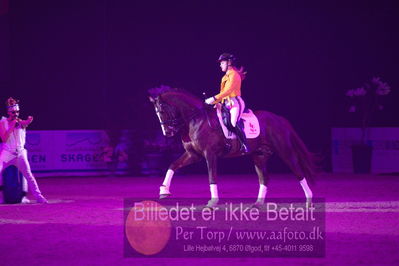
[
  {"x": 168, "y": 178},
  {"x": 214, "y": 191},
  {"x": 262, "y": 193},
  {"x": 306, "y": 189},
  {"x": 163, "y": 190},
  {"x": 214, "y": 196}
]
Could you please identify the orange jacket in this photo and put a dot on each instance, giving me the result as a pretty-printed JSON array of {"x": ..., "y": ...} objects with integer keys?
[{"x": 230, "y": 85}]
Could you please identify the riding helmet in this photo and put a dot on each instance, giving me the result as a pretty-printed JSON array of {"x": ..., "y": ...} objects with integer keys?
[{"x": 226, "y": 57}]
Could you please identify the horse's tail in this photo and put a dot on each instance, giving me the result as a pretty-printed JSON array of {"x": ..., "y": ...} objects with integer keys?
[
  {"x": 290, "y": 147},
  {"x": 306, "y": 159}
]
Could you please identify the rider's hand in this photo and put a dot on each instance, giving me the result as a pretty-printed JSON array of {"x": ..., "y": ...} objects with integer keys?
[{"x": 210, "y": 100}]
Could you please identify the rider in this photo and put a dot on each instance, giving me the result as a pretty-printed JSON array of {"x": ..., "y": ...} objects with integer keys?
[{"x": 230, "y": 94}]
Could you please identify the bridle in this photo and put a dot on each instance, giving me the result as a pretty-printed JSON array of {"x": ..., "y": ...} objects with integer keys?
[{"x": 175, "y": 123}]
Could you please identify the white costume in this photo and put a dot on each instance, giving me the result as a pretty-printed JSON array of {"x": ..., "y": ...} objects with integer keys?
[
  {"x": 236, "y": 105},
  {"x": 13, "y": 152}
]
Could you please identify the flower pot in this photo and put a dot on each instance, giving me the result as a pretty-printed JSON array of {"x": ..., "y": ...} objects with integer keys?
[{"x": 361, "y": 158}]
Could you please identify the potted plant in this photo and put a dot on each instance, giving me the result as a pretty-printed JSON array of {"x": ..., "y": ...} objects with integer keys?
[{"x": 365, "y": 101}]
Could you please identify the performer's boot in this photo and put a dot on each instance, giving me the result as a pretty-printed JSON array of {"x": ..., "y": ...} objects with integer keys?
[
  {"x": 241, "y": 137},
  {"x": 34, "y": 188},
  {"x": 25, "y": 200}
]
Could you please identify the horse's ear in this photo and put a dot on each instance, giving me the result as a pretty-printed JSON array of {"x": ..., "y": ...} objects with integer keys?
[{"x": 151, "y": 99}]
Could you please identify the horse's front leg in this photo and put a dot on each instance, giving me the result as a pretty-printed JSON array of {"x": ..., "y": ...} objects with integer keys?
[
  {"x": 186, "y": 159},
  {"x": 211, "y": 160}
]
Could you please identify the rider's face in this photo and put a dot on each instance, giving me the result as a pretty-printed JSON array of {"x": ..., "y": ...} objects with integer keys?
[{"x": 223, "y": 65}]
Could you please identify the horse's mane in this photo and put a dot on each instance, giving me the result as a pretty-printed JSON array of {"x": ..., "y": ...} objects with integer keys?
[
  {"x": 165, "y": 91},
  {"x": 157, "y": 91}
]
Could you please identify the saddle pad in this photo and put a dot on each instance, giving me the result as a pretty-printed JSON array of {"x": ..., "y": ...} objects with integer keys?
[{"x": 251, "y": 125}]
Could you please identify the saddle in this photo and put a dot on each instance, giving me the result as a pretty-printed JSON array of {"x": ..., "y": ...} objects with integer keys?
[{"x": 248, "y": 122}]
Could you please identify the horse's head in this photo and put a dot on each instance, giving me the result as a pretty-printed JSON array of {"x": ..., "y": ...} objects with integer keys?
[
  {"x": 168, "y": 116},
  {"x": 174, "y": 108}
]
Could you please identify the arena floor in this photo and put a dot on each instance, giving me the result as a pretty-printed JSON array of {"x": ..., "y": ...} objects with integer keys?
[{"x": 83, "y": 222}]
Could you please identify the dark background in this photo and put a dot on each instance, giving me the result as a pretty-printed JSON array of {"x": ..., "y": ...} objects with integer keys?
[{"x": 87, "y": 64}]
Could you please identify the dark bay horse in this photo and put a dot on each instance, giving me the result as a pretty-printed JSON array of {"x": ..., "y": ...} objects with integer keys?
[{"x": 181, "y": 112}]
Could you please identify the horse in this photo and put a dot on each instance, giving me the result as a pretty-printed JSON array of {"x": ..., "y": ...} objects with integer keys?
[{"x": 181, "y": 112}]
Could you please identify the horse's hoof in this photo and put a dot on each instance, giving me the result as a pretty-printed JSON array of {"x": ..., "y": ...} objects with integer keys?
[
  {"x": 309, "y": 204},
  {"x": 212, "y": 204},
  {"x": 257, "y": 205},
  {"x": 208, "y": 207},
  {"x": 163, "y": 196}
]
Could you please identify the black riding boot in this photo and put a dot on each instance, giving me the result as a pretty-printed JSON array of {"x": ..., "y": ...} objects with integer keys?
[{"x": 241, "y": 137}]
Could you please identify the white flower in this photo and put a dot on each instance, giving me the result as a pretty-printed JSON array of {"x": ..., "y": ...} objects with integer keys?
[
  {"x": 360, "y": 92},
  {"x": 366, "y": 99},
  {"x": 376, "y": 80},
  {"x": 356, "y": 92},
  {"x": 383, "y": 89}
]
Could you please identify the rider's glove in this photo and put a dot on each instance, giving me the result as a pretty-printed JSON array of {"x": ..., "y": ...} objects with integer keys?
[{"x": 210, "y": 100}]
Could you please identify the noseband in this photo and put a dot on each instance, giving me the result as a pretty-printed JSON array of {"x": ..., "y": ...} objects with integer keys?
[{"x": 174, "y": 123}]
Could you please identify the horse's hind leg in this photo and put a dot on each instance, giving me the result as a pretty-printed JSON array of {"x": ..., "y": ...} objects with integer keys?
[
  {"x": 302, "y": 181},
  {"x": 296, "y": 168},
  {"x": 186, "y": 159},
  {"x": 211, "y": 161},
  {"x": 260, "y": 168},
  {"x": 292, "y": 160},
  {"x": 307, "y": 190}
]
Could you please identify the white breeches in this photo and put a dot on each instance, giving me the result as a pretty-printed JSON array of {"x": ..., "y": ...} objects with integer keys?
[
  {"x": 20, "y": 160},
  {"x": 236, "y": 106}
]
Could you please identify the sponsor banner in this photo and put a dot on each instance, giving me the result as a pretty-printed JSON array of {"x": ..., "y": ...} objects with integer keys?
[
  {"x": 384, "y": 141},
  {"x": 67, "y": 152}
]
